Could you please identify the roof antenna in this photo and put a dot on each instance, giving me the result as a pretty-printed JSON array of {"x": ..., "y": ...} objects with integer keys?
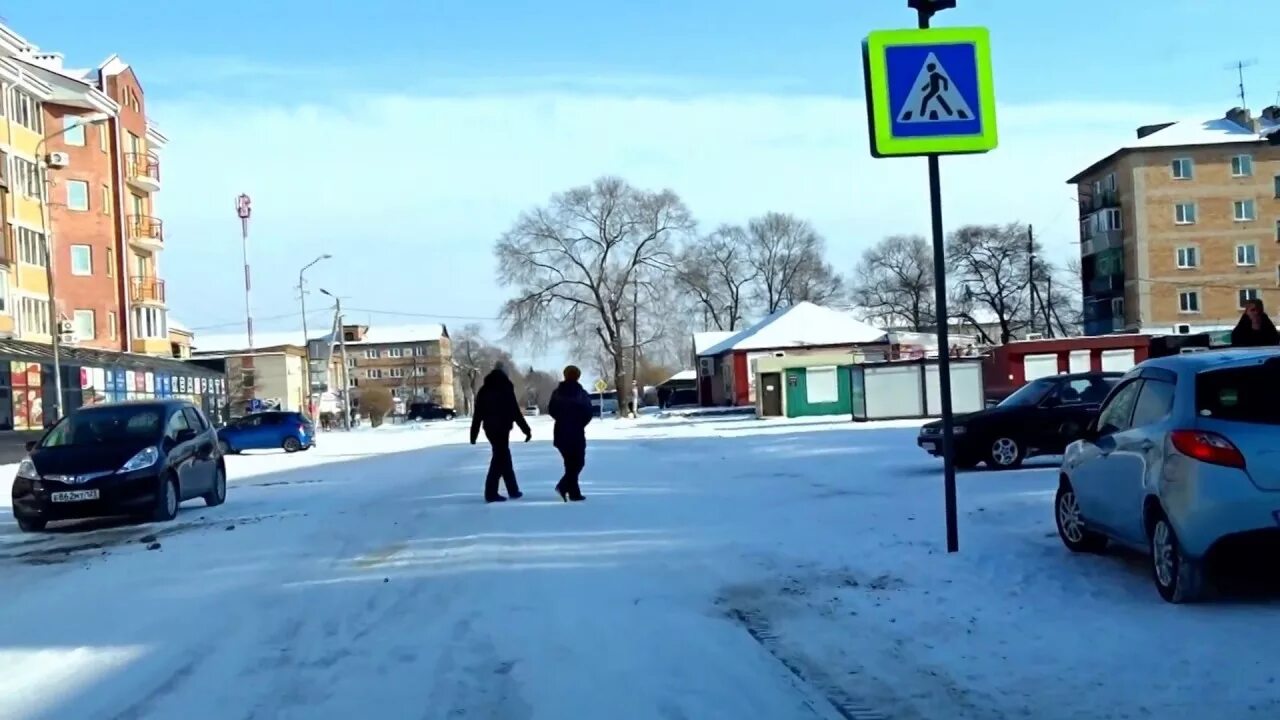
[{"x": 1239, "y": 67}]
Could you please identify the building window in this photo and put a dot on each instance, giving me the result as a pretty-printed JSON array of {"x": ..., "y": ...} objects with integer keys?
[
  {"x": 371, "y": 354},
  {"x": 1247, "y": 294},
  {"x": 73, "y": 130},
  {"x": 103, "y": 143},
  {"x": 112, "y": 322},
  {"x": 150, "y": 323},
  {"x": 34, "y": 318},
  {"x": 1117, "y": 308},
  {"x": 419, "y": 350},
  {"x": 1242, "y": 166},
  {"x": 1184, "y": 213},
  {"x": 1244, "y": 211},
  {"x": 419, "y": 371},
  {"x": 4, "y": 291},
  {"x": 351, "y": 362},
  {"x": 84, "y": 322},
  {"x": 81, "y": 260},
  {"x": 106, "y": 199},
  {"x": 1246, "y": 255},
  {"x": 1188, "y": 258},
  {"x": 1109, "y": 219},
  {"x": 1278, "y": 230},
  {"x": 26, "y": 178},
  {"x": 248, "y": 378},
  {"x": 821, "y": 385},
  {"x": 374, "y": 374},
  {"x": 77, "y": 195},
  {"x": 1182, "y": 169},
  {"x": 30, "y": 246},
  {"x": 396, "y": 372},
  {"x": 396, "y": 352},
  {"x": 111, "y": 262},
  {"x": 25, "y": 110},
  {"x": 1189, "y": 301}
]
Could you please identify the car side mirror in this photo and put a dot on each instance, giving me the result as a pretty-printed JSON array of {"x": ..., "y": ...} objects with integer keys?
[
  {"x": 31, "y": 445},
  {"x": 186, "y": 435}
]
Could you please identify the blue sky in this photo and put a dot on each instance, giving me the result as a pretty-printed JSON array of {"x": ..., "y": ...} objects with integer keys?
[{"x": 403, "y": 137}]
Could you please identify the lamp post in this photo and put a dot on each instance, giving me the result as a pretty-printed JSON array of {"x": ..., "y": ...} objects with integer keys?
[
  {"x": 306, "y": 342},
  {"x": 42, "y": 167},
  {"x": 342, "y": 347},
  {"x": 243, "y": 211}
]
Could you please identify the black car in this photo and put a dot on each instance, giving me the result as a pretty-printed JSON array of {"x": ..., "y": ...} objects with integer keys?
[
  {"x": 1042, "y": 417},
  {"x": 430, "y": 411},
  {"x": 140, "y": 458}
]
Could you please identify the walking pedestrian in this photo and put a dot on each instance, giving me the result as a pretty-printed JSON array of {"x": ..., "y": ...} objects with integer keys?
[
  {"x": 497, "y": 410},
  {"x": 571, "y": 408},
  {"x": 1255, "y": 329}
]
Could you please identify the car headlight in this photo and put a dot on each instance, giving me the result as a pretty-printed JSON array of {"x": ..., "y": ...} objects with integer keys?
[
  {"x": 144, "y": 459},
  {"x": 27, "y": 469}
]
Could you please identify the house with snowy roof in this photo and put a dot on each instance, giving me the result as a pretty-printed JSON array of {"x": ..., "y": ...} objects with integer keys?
[{"x": 725, "y": 360}]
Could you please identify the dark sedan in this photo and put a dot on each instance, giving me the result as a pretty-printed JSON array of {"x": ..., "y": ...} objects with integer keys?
[
  {"x": 430, "y": 411},
  {"x": 140, "y": 458},
  {"x": 1040, "y": 418}
]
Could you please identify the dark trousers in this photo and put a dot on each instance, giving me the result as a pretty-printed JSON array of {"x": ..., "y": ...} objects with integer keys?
[
  {"x": 500, "y": 466},
  {"x": 575, "y": 458}
]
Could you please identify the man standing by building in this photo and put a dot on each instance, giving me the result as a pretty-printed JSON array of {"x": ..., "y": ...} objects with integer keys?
[{"x": 497, "y": 410}]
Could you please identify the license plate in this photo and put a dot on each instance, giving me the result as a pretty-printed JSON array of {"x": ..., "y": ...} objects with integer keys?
[
  {"x": 74, "y": 496},
  {"x": 929, "y": 446}
]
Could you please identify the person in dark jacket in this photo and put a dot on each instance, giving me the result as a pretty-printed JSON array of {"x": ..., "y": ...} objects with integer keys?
[
  {"x": 571, "y": 409},
  {"x": 496, "y": 410},
  {"x": 1255, "y": 329}
]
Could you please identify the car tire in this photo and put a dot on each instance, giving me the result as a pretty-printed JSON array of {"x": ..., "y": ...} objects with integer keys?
[
  {"x": 167, "y": 500},
  {"x": 291, "y": 445},
  {"x": 1071, "y": 527},
  {"x": 218, "y": 494},
  {"x": 30, "y": 525},
  {"x": 1178, "y": 578},
  {"x": 1005, "y": 453}
]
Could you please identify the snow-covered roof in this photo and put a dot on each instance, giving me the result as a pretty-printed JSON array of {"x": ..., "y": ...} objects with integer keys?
[
  {"x": 683, "y": 376},
  {"x": 374, "y": 335},
  {"x": 803, "y": 325},
  {"x": 378, "y": 335},
  {"x": 1189, "y": 133},
  {"x": 705, "y": 340}
]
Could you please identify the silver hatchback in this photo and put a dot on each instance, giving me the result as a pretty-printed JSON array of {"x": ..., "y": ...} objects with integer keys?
[{"x": 1183, "y": 460}]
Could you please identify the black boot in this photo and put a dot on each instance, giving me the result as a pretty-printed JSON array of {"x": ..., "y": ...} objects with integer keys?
[
  {"x": 564, "y": 494},
  {"x": 495, "y": 498},
  {"x": 515, "y": 494}
]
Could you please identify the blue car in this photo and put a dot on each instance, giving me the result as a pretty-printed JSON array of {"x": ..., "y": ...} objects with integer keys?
[{"x": 290, "y": 431}]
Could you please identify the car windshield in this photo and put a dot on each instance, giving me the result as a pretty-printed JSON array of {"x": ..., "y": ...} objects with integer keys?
[
  {"x": 1030, "y": 394},
  {"x": 106, "y": 425},
  {"x": 1243, "y": 394}
]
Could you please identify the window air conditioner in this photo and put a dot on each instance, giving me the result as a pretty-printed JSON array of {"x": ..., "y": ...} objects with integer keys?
[
  {"x": 66, "y": 326},
  {"x": 58, "y": 160},
  {"x": 68, "y": 338},
  {"x": 707, "y": 366}
]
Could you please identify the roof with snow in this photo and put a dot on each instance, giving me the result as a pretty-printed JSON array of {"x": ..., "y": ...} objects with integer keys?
[
  {"x": 1191, "y": 133},
  {"x": 803, "y": 325},
  {"x": 374, "y": 335},
  {"x": 682, "y": 376},
  {"x": 705, "y": 340}
]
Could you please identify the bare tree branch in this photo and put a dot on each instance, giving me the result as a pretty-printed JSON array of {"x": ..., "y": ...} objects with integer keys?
[{"x": 893, "y": 282}]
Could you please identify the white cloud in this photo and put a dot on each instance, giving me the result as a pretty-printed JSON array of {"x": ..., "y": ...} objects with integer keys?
[{"x": 408, "y": 193}]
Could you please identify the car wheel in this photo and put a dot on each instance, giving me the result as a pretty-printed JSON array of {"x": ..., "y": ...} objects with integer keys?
[
  {"x": 167, "y": 501},
  {"x": 292, "y": 445},
  {"x": 225, "y": 448},
  {"x": 1178, "y": 578},
  {"x": 218, "y": 494},
  {"x": 1071, "y": 526},
  {"x": 1005, "y": 453},
  {"x": 26, "y": 524}
]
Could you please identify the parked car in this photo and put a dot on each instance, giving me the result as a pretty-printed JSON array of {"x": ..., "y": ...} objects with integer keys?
[
  {"x": 140, "y": 458},
  {"x": 604, "y": 404},
  {"x": 1181, "y": 462},
  {"x": 1040, "y": 418},
  {"x": 430, "y": 411},
  {"x": 287, "y": 430},
  {"x": 682, "y": 399}
]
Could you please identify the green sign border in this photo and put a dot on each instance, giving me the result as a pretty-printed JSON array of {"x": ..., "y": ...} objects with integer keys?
[{"x": 880, "y": 114}]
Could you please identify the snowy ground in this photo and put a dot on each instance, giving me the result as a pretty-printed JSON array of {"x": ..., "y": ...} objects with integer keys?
[{"x": 720, "y": 568}]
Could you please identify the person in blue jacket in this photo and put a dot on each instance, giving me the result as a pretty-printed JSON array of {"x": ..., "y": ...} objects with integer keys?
[{"x": 571, "y": 408}]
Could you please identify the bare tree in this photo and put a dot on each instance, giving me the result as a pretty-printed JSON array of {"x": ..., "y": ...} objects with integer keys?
[
  {"x": 579, "y": 264},
  {"x": 1059, "y": 298},
  {"x": 893, "y": 282},
  {"x": 473, "y": 358},
  {"x": 716, "y": 272},
  {"x": 788, "y": 256},
  {"x": 990, "y": 268}
]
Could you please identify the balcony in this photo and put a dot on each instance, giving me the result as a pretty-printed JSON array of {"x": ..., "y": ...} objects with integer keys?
[
  {"x": 1102, "y": 240},
  {"x": 144, "y": 290},
  {"x": 142, "y": 170},
  {"x": 1092, "y": 203},
  {"x": 146, "y": 232},
  {"x": 1106, "y": 285}
]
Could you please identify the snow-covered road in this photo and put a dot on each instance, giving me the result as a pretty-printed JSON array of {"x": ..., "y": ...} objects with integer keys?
[{"x": 729, "y": 568}]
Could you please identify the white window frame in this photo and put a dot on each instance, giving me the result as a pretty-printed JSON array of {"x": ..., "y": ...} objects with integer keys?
[
  {"x": 373, "y": 373},
  {"x": 1242, "y": 166},
  {"x": 370, "y": 354},
  {"x": 829, "y": 376},
  {"x": 30, "y": 246},
  {"x": 86, "y": 254},
  {"x": 1185, "y": 213},
  {"x": 419, "y": 371},
  {"x": 1177, "y": 165},
  {"x": 1189, "y": 295},
  {"x": 1183, "y": 254},
  {"x": 419, "y": 350},
  {"x": 352, "y": 362},
  {"x": 82, "y": 319},
  {"x": 396, "y": 372},
  {"x": 1117, "y": 308},
  {"x": 1238, "y": 208},
  {"x": 81, "y": 185},
  {"x": 73, "y": 131},
  {"x": 395, "y": 352},
  {"x": 112, "y": 322},
  {"x": 1246, "y": 294},
  {"x": 4, "y": 291},
  {"x": 1246, "y": 255}
]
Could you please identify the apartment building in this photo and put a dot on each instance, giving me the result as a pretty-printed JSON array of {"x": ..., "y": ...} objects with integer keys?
[
  {"x": 1181, "y": 226},
  {"x": 412, "y": 362},
  {"x": 102, "y": 173}
]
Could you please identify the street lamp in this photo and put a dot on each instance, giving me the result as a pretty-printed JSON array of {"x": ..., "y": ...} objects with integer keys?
[
  {"x": 306, "y": 341},
  {"x": 342, "y": 348},
  {"x": 42, "y": 166}
]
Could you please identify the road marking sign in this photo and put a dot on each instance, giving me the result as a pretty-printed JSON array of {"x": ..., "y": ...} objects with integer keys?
[
  {"x": 601, "y": 386},
  {"x": 929, "y": 92}
]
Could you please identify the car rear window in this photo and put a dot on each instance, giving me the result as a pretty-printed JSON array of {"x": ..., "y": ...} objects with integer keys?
[{"x": 1243, "y": 394}]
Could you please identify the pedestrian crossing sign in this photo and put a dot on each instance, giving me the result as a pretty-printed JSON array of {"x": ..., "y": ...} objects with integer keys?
[{"x": 929, "y": 92}]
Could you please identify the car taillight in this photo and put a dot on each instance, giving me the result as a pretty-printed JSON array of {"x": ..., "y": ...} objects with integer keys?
[
  {"x": 302, "y": 429},
  {"x": 1209, "y": 447}
]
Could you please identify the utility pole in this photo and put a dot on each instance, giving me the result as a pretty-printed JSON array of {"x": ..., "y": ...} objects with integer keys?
[
  {"x": 1031, "y": 278},
  {"x": 306, "y": 341},
  {"x": 635, "y": 349},
  {"x": 339, "y": 322},
  {"x": 244, "y": 210}
]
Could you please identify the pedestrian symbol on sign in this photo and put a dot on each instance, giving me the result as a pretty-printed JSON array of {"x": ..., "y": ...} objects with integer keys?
[{"x": 934, "y": 97}]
